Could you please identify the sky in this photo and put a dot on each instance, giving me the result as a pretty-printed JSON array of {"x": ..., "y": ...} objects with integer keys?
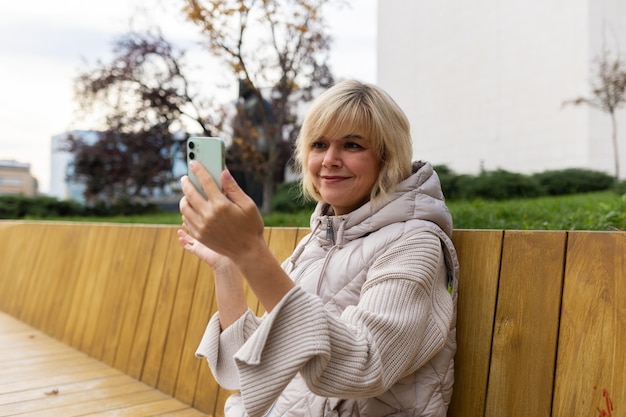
[{"x": 45, "y": 44}]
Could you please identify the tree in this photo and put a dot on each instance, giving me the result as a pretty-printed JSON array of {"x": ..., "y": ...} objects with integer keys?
[
  {"x": 280, "y": 45},
  {"x": 145, "y": 97},
  {"x": 123, "y": 165},
  {"x": 608, "y": 93}
]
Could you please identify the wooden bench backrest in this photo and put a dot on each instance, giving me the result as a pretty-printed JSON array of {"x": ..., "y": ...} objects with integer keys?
[{"x": 541, "y": 318}]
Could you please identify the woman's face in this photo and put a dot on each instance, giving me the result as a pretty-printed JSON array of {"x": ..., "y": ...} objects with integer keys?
[{"x": 344, "y": 170}]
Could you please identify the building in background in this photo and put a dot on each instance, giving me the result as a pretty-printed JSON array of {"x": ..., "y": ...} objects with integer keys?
[
  {"x": 60, "y": 163},
  {"x": 483, "y": 82},
  {"x": 16, "y": 179}
]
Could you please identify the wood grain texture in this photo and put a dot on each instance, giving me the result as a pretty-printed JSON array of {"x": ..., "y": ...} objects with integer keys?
[
  {"x": 479, "y": 259},
  {"x": 540, "y": 326},
  {"x": 591, "y": 365},
  {"x": 526, "y": 328},
  {"x": 52, "y": 378}
]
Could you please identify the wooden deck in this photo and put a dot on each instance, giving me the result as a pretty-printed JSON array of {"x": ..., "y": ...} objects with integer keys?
[{"x": 40, "y": 376}]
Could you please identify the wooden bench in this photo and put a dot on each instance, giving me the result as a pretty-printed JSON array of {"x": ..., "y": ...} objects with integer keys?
[{"x": 541, "y": 318}]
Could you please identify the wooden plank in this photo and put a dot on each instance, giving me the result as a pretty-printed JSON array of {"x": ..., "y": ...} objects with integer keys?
[
  {"x": 73, "y": 241},
  {"x": 24, "y": 261},
  {"x": 282, "y": 241},
  {"x": 10, "y": 269},
  {"x": 207, "y": 392},
  {"x": 53, "y": 276},
  {"x": 70, "y": 366},
  {"x": 8, "y": 233},
  {"x": 113, "y": 401},
  {"x": 94, "y": 371},
  {"x": 163, "y": 313},
  {"x": 160, "y": 258},
  {"x": 32, "y": 362},
  {"x": 479, "y": 259},
  {"x": 80, "y": 303},
  {"x": 526, "y": 329},
  {"x": 82, "y": 384},
  {"x": 202, "y": 307},
  {"x": 174, "y": 347},
  {"x": 135, "y": 298},
  {"x": 38, "y": 259},
  {"x": 101, "y": 276},
  {"x": 591, "y": 366},
  {"x": 189, "y": 412},
  {"x": 167, "y": 406},
  {"x": 128, "y": 248},
  {"x": 9, "y": 247},
  {"x": 302, "y": 232}
]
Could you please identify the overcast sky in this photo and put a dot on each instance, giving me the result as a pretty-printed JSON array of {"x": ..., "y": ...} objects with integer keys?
[{"x": 44, "y": 44}]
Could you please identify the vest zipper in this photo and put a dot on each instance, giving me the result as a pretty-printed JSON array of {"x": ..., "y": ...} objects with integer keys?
[{"x": 330, "y": 232}]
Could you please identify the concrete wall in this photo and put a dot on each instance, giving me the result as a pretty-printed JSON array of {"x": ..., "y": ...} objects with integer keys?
[{"x": 483, "y": 82}]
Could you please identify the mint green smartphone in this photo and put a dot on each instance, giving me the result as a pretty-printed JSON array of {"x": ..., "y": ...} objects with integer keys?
[{"x": 210, "y": 153}]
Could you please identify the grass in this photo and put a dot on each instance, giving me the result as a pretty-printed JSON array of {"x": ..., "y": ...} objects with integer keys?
[{"x": 593, "y": 211}]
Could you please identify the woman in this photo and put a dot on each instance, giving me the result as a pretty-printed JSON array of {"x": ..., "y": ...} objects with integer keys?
[{"x": 361, "y": 318}]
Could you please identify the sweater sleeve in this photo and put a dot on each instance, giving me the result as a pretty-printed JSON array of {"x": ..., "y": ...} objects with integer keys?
[
  {"x": 219, "y": 347},
  {"x": 400, "y": 323}
]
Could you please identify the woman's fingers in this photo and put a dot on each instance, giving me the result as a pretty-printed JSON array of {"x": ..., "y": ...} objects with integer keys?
[
  {"x": 227, "y": 222},
  {"x": 205, "y": 179}
]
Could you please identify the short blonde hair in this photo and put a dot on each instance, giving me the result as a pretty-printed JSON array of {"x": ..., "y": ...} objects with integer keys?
[{"x": 370, "y": 110}]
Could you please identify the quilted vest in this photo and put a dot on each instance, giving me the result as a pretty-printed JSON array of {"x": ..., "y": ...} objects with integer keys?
[{"x": 344, "y": 248}]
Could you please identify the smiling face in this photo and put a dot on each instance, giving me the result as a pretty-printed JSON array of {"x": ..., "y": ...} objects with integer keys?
[
  {"x": 354, "y": 145},
  {"x": 343, "y": 170}
]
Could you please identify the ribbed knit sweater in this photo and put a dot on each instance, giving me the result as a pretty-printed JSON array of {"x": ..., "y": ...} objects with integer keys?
[{"x": 372, "y": 307}]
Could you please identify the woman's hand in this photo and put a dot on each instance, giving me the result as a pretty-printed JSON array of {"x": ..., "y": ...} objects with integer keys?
[
  {"x": 210, "y": 257},
  {"x": 228, "y": 223}
]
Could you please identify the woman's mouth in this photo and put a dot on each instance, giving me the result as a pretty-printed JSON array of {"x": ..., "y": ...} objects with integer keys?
[{"x": 333, "y": 178}]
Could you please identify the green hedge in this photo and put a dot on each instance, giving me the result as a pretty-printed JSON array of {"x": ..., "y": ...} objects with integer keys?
[
  {"x": 503, "y": 185},
  {"x": 41, "y": 207},
  {"x": 574, "y": 181}
]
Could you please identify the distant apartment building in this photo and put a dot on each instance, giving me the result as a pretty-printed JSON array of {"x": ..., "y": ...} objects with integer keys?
[
  {"x": 16, "y": 179},
  {"x": 60, "y": 163},
  {"x": 483, "y": 82}
]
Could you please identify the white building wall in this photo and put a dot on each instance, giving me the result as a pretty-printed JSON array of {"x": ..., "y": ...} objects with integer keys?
[
  {"x": 483, "y": 82},
  {"x": 60, "y": 161},
  {"x": 607, "y": 23}
]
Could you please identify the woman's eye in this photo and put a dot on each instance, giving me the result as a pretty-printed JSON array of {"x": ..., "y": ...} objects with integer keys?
[
  {"x": 352, "y": 145},
  {"x": 317, "y": 145}
]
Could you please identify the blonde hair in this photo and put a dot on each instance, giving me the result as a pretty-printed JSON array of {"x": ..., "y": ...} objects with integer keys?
[{"x": 352, "y": 105}]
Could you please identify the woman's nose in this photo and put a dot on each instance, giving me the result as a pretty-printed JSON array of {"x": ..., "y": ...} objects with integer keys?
[{"x": 332, "y": 157}]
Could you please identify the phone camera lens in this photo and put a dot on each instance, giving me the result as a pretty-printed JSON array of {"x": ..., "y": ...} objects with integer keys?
[
  {"x": 192, "y": 145},
  {"x": 192, "y": 155}
]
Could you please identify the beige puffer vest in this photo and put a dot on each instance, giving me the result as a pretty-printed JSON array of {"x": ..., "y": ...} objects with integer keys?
[{"x": 344, "y": 247}]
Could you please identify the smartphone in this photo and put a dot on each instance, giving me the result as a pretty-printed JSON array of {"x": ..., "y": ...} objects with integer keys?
[{"x": 210, "y": 153}]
